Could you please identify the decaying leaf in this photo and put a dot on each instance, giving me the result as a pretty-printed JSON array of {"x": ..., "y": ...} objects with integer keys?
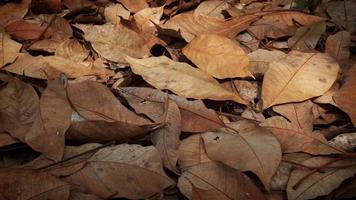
[
  {"x": 298, "y": 77},
  {"x": 13, "y": 10},
  {"x": 28, "y": 29},
  {"x": 246, "y": 147},
  {"x": 134, "y": 5},
  {"x": 216, "y": 177},
  {"x": 114, "y": 12},
  {"x": 219, "y": 56},
  {"x": 343, "y": 12},
  {"x": 181, "y": 78},
  {"x": 9, "y": 49},
  {"x": 72, "y": 50},
  {"x": 129, "y": 171},
  {"x": 261, "y": 58},
  {"x": 195, "y": 117},
  {"x": 338, "y": 45},
  {"x": 212, "y": 9},
  {"x": 192, "y": 152},
  {"x": 307, "y": 37}
]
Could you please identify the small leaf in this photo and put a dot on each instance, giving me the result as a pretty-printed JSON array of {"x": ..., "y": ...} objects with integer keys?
[
  {"x": 338, "y": 45},
  {"x": 9, "y": 49},
  {"x": 192, "y": 152}
]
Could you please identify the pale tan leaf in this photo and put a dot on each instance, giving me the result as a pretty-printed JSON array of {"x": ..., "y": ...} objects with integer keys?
[
  {"x": 345, "y": 97},
  {"x": 192, "y": 152},
  {"x": 9, "y": 49},
  {"x": 146, "y": 19},
  {"x": 298, "y": 77},
  {"x": 299, "y": 114},
  {"x": 293, "y": 139},
  {"x": 71, "y": 49},
  {"x": 48, "y": 45},
  {"x": 166, "y": 139},
  {"x": 31, "y": 184},
  {"x": 134, "y": 5},
  {"x": 246, "y": 89},
  {"x": 261, "y": 58},
  {"x": 115, "y": 42},
  {"x": 307, "y": 37},
  {"x": 327, "y": 97},
  {"x": 337, "y": 45},
  {"x": 195, "y": 117},
  {"x": 114, "y": 12},
  {"x": 212, "y": 8},
  {"x": 42, "y": 66},
  {"x": 219, "y": 56},
  {"x": 247, "y": 147},
  {"x": 216, "y": 177},
  {"x": 12, "y": 10},
  {"x": 181, "y": 78},
  {"x": 129, "y": 171},
  {"x": 319, "y": 183}
]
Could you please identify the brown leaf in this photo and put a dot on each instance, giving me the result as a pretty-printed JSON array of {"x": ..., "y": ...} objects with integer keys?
[
  {"x": 12, "y": 10},
  {"x": 28, "y": 30},
  {"x": 134, "y": 5},
  {"x": 212, "y": 9},
  {"x": 114, "y": 12},
  {"x": 115, "y": 42},
  {"x": 191, "y": 25},
  {"x": 71, "y": 49},
  {"x": 82, "y": 196},
  {"x": 345, "y": 97},
  {"x": 166, "y": 139},
  {"x": 6, "y": 139},
  {"x": 247, "y": 147},
  {"x": 218, "y": 178},
  {"x": 307, "y": 37},
  {"x": 146, "y": 19},
  {"x": 47, "y": 134},
  {"x": 298, "y": 77},
  {"x": 293, "y": 139},
  {"x": 181, "y": 78},
  {"x": 42, "y": 66},
  {"x": 18, "y": 107},
  {"x": 319, "y": 183},
  {"x": 219, "y": 56},
  {"x": 337, "y": 45},
  {"x": 129, "y": 171},
  {"x": 261, "y": 58},
  {"x": 192, "y": 152},
  {"x": 248, "y": 90},
  {"x": 327, "y": 97},
  {"x": 62, "y": 28},
  {"x": 299, "y": 114},
  {"x": 200, "y": 194},
  {"x": 31, "y": 184},
  {"x": 9, "y": 49},
  {"x": 195, "y": 117},
  {"x": 343, "y": 13}
]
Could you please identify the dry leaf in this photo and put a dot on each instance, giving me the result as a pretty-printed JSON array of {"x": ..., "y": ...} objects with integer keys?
[
  {"x": 345, "y": 97},
  {"x": 71, "y": 49},
  {"x": 166, "y": 139},
  {"x": 146, "y": 19},
  {"x": 261, "y": 58},
  {"x": 9, "y": 49},
  {"x": 31, "y": 184},
  {"x": 195, "y": 117},
  {"x": 219, "y": 56},
  {"x": 43, "y": 66},
  {"x": 129, "y": 171},
  {"x": 319, "y": 183},
  {"x": 115, "y": 42},
  {"x": 82, "y": 196},
  {"x": 28, "y": 29},
  {"x": 248, "y": 90},
  {"x": 337, "y": 45},
  {"x": 245, "y": 146},
  {"x": 293, "y": 139},
  {"x": 47, "y": 45},
  {"x": 344, "y": 13},
  {"x": 114, "y": 12},
  {"x": 212, "y": 8},
  {"x": 327, "y": 97},
  {"x": 134, "y": 5},
  {"x": 192, "y": 152},
  {"x": 214, "y": 176},
  {"x": 307, "y": 37},
  {"x": 180, "y": 78},
  {"x": 13, "y": 10},
  {"x": 298, "y": 77},
  {"x": 299, "y": 114},
  {"x": 6, "y": 139}
]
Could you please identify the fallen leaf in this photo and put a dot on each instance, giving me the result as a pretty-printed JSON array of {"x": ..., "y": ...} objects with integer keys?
[
  {"x": 191, "y": 25},
  {"x": 42, "y": 66},
  {"x": 28, "y": 29},
  {"x": 9, "y": 49},
  {"x": 13, "y": 10},
  {"x": 166, "y": 139},
  {"x": 82, "y": 196},
  {"x": 337, "y": 45},
  {"x": 62, "y": 28},
  {"x": 134, "y": 5},
  {"x": 293, "y": 139},
  {"x": 299, "y": 114},
  {"x": 298, "y": 77},
  {"x": 146, "y": 19},
  {"x": 47, "y": 134},
  {"x": 47, "y": 45},
  {"x": 218, "y": 178},
  {"x": 319, "y": 183},
  {"x": 71, "y": 49},
  {"x": 180, "y": 78},
  {"x": 345, "y": 97},
  {"x": 343, "y": 12},
  {"x": 31, "y": 184},
  {"x": 248, "y": 90},
  {"x": 251, "y": 114},
  {"x": 245, "y": 146},
  {"x": 219, "y": 56},
  {"x": 115, "y": 42},
  {"x": 6, "y": 139},
  {"x": 307, "y": 37},
  {"x": 129, "y": 171},
  {"x": 327, "y": 97},
  {"x": 114, "y": 12},
  {"x": 195, "y": 117},
  {"x": 192, "y": 152},
  {"x": 261, "y": 58},
  {"x": 213, "y": 9}
]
